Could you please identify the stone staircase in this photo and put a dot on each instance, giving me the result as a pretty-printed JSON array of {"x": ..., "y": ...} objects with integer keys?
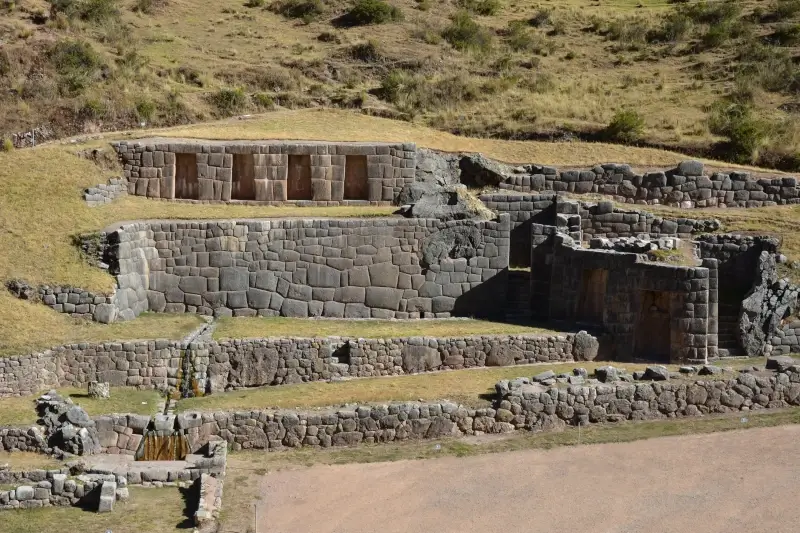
[
  {"x": 727, "y": 330},
  {"x": 518, "y": 298}
]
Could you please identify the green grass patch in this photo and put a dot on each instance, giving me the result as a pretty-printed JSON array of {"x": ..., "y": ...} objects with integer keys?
[
  {"x": 258, "y": 327},
  {"x": 22, "y": 411},
  {"x": 149, "y": 510}
]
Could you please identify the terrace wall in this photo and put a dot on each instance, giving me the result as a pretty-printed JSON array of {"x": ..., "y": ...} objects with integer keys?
[
  {"x": 324, "y": 173},
  {"x": 217, "y": 366}
]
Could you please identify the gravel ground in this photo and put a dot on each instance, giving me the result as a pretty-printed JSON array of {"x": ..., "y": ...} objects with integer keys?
[{"x": 722, "y": 482}]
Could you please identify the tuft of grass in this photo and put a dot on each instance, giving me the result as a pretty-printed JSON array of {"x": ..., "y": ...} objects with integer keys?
[
  {"x": 6, "y": 145},
  {"x": 486, "y": 8},
  {"x": 626, "y": 127},
  {"x": 366, "y": 12},
  {"x": 229, "y": 101},
  {"x": 305, "y": 10},
  {"x": 465, "y": 34}
]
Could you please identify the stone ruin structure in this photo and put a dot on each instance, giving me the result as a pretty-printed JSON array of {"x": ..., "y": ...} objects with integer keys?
[
  {"x": 622, "y": 284},
  {"x": 450, "y": 253}
]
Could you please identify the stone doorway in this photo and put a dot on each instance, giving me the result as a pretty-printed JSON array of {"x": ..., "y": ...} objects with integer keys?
[
  {"x": 355, "y": 178},
  {"x": 298, "y": 181},
  {"x": 186, "y": 185},
  {"x": 244, "y": 177},
  {"x": 591, "y": 299},
  {"x": 653, "y": 327}
]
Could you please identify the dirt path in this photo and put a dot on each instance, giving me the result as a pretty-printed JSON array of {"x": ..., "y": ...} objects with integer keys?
[{"x": 722, "y": 482}]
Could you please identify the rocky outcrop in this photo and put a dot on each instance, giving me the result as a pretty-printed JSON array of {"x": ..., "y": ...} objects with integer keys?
[
  {"x": 68, "y": 428},
  {"x": 766, "y": 305}
]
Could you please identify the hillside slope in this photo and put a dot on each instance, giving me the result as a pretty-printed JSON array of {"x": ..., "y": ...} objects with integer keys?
[{"x": 495, "y": 68}]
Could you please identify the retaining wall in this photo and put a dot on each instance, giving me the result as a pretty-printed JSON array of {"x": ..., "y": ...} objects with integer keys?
[
  {"x": 521, "y": 408},
  {"x": 360, "y": 268},
  {"x": 267, "y": 171},
  {"x": 686, "y": 186},
  {"x": 600, "y": 219},
  {"x": 217, "y": 366}
]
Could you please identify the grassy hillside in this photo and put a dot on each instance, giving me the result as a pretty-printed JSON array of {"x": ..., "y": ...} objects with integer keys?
[{"x": 517, "y": 69}]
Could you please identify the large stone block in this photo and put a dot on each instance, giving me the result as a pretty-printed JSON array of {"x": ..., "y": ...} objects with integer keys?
[
  {"x": 383, "y": 297},
  {"x": 294, "y": 308},
  {"x": 356, "y": 310},
  {"x": 193, "y": 284},
  {"x": 258, "y": 299},
  {"x": 349, "y": 295},
  {"x": 383, "y": 275},
  {"x": 420, "y": 359},
  {"x": 233, "y": 279},
  {"x": 323, "y": 276}
]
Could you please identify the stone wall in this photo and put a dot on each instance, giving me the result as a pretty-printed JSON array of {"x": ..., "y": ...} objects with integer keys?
[
  {"x": 351, "y": 268},
  {"x": 598, "y": 219},
  {"x": 686, "y": 186},
  {"x": 216, "y": 366},
  {"x": 105, "y": 193},
  {"x": 652, "y": 310},
  {"x": 23, "y": 439},
  {"x": 527, "y": 408},
  {"x": 256, "y": 362},
  {"x": 267, "y": 171}
]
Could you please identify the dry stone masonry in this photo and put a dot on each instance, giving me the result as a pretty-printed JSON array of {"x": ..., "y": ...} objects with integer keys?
[
  {"x": 218, "y": 366},
  {"x": 267, "y": 171},
  {"x": 352, "y": 268}
]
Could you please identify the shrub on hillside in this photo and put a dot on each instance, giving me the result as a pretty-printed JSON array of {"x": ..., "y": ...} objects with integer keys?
[
  {"x": 627, "y": 127},
  {"x": 366, "y": 12},
  {"x": 785, "y": 35},
  {"x": 746, "y": 133},
  {"x": 148, "y": 7},
  {"x": 255, "y": 3},
  {"x": 145, "y": 110},
  {"x": 518, "y": 36},
  {"x": 77, "y": 63},
  {"x": 412, "y": 93},
  {"x": 6, "y": 145},
  {"x": 486, "y": 8},
  {"x": 95, "y": 11},
  {"x": 540, "y": 18},
  {"x": 305, "y": 10},
  {"x": 229, "y": 101},
  {"x": 367, "y": 52},
  {"x": 465, "y": 34}
]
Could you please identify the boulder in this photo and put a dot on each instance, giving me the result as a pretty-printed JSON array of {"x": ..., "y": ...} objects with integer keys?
[
  {"x": 544, "y": 376},
  {"x": 478, "y": 171},
  {"x": 781, "y": 363},
  {"x": 22, "y": 289},
  {"x": 656, "y": 373},
  {"x": 453, "y": 243},
  {"x": 585, "y": 347},
  {"x": 709, "y": 370},
  {"x": 607, "y": 374},
  {"x": 253, "y": 368},
  {"x": 503, "y": 355},
  {"x": 452, "y": 202},
  {"x": 420, "y": 359},
  {"x": 765, "y": 306}
]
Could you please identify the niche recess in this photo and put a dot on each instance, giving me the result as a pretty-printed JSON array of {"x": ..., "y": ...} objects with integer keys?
[
  {"x": 355, "y": 178},
  {"x": 186, "y": 185},
  {"x": 298, "y": 181}
]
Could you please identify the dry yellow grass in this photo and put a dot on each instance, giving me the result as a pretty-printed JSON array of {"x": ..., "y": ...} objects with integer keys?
[
  {"x": 343, "y": 125},
  {"x": 463, "y": 386},
  {"x": 21, "y": 411},
  {"x": 27, "y": 461},
  {"x": 239, "y": 328},
  {"x": 28, "y": 327}
]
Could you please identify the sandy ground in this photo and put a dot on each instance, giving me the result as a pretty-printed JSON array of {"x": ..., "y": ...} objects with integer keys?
[{"x": 723, "y": 482}]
